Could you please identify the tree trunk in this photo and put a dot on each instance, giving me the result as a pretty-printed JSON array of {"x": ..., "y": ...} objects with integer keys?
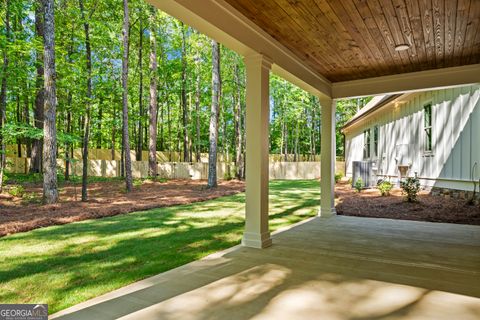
[
  {"x": 190, "y": 134},
  {"x": 224, "y": 131},
  {"x": 114, "y": 131},
  {"x": 238, "y": 126},
  {"x": 50, "y": 191},
  {"x": 152, "y": 144},
  {"x": 122, "y": 157},
  {"x": 3, "y": 94},
  {"x": 197, "y": 116},
  {"x": 162, "y": 137},
  {"x": 140, "y": 97},
  {"x": 99, "y": 124},
  {"x": 126, "y": 143},
  {"x": 244, "y": 137},
  {"x": 26, "y": 111},
  {"x": 213, "y": 137},
  {"x": 69, "y": 131},
  {"x": 37, "y": 147},
  {"x": 86, "y": 134},
  {"x": 169, "y": 144},
  {"x": 19, "y": 119},
  {"x": 186, "y": 157},
  {"x": 314, "y": 117},
  {"x": 295, "y": 156}
]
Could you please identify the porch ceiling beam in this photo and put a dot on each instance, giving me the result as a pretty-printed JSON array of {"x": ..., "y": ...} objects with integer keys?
[
  {"x": 220, "y": 21},
  {"x": 405, "y": 82}
]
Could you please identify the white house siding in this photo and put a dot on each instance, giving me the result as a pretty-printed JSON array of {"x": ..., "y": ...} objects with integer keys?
[{"x": 455, "y": 131}]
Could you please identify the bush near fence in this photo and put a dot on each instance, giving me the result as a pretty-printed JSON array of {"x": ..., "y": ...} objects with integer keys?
[{"x": 179, "y": 170}]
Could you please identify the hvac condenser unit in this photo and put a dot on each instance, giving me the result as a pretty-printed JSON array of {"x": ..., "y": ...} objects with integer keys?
[{"x": 363, "y": 170}]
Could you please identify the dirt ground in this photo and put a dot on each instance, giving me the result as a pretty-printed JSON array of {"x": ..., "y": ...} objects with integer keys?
[
  {"x": 369, "y": 203},
  {"x": 16, "y": 216}
]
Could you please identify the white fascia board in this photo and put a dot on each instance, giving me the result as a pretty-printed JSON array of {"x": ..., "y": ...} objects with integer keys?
[
  {"x": 407, "y": 82},
  {"x": 220, "y": 21}
]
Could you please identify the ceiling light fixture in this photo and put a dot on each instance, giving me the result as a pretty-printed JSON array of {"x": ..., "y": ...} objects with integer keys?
[{"x": 402, "y": 47}]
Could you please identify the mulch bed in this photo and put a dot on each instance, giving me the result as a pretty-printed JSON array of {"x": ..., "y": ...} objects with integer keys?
[
  {"x": 369, "y": 203},
  {"x": 106, "y": 199}
]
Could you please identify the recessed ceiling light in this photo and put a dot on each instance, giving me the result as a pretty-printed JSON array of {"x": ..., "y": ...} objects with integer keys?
[{"x": 402, "y": 47}]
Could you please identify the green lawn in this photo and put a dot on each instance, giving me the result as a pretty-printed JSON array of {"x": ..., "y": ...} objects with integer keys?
[{"x": 65, "y": 265}]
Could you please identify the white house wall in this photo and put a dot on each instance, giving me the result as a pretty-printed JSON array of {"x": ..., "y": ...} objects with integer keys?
[{"x": 455, "y": 131}]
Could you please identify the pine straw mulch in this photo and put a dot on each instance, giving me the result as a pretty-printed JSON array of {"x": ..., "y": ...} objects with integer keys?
[
  {"x": 106, "y": 199},
  {"x": 369, "y": 203}
]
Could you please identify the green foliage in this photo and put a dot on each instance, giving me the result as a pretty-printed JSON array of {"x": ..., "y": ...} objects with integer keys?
[
  {"x": 31, "y": 197},
  {"x": 410, "y": 188},
  {"x": 295, "y": 121},
  {"x": 36, "y": 178},
  {"x": 5, "y": 178},
  {"x": 12, "y": 132},
  {"x": 346, "y": 109},
  {"x": 137, "y": 182},
  {"x": 16, "y": 190},
  {"x": 338, "y": 176},
  {"x": 23, "y": 179},
  {"x": 358, "y": 185},
  {"x": 385, "y": 187}
]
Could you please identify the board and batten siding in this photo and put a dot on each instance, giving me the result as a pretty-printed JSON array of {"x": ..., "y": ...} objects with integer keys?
[{"x": 455, "y": 137}]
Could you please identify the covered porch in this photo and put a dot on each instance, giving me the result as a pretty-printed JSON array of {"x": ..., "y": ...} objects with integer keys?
[
  {"x": 333, "y": 50},
  {"x": 329, "y": 267},
  {"x": 338, "y": 268}
]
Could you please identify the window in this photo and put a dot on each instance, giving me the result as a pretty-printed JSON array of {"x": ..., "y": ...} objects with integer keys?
[
  {"x": 427, "y": 126},
  {"x": 366, "y": 144},
  {"x": 375, "y": 141}
]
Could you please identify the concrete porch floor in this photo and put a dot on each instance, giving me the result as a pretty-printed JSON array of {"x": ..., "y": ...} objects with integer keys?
[{"x": 337, "y": 268}]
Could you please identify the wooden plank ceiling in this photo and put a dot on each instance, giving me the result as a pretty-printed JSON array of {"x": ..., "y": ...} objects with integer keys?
[{"x": 356, "y": 39}]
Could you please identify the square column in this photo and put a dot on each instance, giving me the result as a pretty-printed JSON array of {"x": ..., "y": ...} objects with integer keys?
[
  {"x": 328, "y": 158},
  {"x": 257, "y": 234}
]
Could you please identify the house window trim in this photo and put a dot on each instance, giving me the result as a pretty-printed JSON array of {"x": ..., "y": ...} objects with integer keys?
[
  {"x": 367, "y": 141},
  {"x": 428, "y": 153},
  {"x": 375, "y": 142}
]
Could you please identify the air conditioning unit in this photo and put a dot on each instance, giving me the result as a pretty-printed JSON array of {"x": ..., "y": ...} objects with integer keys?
[{"x": 363, "y": 170}]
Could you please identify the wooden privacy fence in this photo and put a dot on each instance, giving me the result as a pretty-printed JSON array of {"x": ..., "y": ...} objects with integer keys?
[
  {"x": 179, "y": 170},
  {"x": 162, "y": 156}
]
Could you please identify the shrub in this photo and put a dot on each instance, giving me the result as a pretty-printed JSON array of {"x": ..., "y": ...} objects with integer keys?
[
  {"x": 137, "y": 182},
  {"x": 410, "y": 188},
  {"x": 385, "y": 187},
  {"x": 16, "y": 190},
  {"x": 31, "y": 198},
  {"x": 338, "y": 176},
  {"x": 359, "y": 184}
]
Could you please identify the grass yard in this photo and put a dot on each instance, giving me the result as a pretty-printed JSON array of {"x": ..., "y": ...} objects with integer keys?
[{"x": 67, "y": 264}]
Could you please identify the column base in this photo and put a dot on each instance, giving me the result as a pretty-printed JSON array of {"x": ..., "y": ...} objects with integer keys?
[
  {"x": 327, "y": 213},
  {"x": 256, "y": 240}
]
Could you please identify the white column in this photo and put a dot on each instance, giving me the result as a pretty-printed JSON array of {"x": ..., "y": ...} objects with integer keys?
[
  {"x": 257, "y": 234},
  {"x": 328, "y": 157}
]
